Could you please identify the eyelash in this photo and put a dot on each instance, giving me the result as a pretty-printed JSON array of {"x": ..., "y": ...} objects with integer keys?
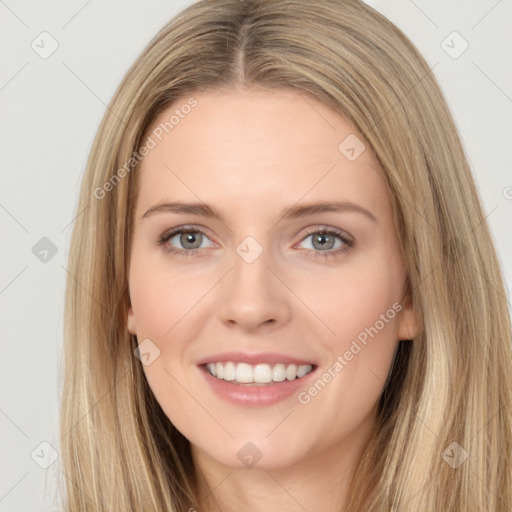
[{"x": 324, "y": 230}]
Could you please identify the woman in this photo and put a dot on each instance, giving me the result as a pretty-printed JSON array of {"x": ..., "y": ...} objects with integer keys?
[{"x": 250, "y": 371}]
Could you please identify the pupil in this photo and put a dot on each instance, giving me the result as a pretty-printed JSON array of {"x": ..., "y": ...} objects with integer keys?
[
  {"x": 190, "y": 238},
  {"x": 322, "y": 239}
]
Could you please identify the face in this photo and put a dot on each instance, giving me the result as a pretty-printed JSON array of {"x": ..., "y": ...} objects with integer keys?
[{"x": 255, "y": 284}]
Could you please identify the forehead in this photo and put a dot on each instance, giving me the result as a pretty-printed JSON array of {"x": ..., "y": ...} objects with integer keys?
[{"x": 257, "y": 147}]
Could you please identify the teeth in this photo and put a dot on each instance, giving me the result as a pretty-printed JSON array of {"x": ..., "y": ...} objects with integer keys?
[
  {"x": 262, "y": 373},
  {"x": 291, "y": 371},
  {"x": 243, "y": 373},
  {"x": 278, "y": 373},
  {"x": 259, "y": 374},
  {"x": 301, "y": 371},
  {"x": 229, "y": 371}
]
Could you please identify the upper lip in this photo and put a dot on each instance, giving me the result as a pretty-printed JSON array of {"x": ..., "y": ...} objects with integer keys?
[{"x": 257, "y": 358}]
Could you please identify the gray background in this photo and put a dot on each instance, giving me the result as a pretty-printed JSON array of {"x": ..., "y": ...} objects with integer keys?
[{"x": 50, "y": 110}]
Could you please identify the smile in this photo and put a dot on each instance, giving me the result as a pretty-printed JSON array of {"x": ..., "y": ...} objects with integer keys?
[{"x": 258, "y": 374}]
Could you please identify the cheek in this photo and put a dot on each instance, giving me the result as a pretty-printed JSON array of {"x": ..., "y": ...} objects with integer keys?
[
  {"x": 363, "y": 320},
  {"x": 354, "y": 300},
  {"x": 165, "y": 305},
  {"x": 161, "y": 299},
  {"x": 162, "y": 303}
]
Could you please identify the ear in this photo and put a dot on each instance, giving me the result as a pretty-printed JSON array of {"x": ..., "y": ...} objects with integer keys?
[
  {"x": 408, "y": 321},
  {"x": 130, "y": 323}
]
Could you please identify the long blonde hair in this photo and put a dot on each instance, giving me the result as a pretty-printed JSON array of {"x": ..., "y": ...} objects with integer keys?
[{"x": 443, "y": 440}]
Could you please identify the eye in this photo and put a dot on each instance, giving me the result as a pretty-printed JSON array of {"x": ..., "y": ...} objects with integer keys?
[
  {"x": 324, "y": 239},
  {"x": 189, "y": 237}
]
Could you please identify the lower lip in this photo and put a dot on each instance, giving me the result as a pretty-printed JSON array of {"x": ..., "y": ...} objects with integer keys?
[{"x": 257, "y": 395}]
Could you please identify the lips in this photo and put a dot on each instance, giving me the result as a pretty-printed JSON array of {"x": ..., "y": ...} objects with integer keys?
[
  {"x": 256, "y": 389},
  {"x": 270, "y": 358}
]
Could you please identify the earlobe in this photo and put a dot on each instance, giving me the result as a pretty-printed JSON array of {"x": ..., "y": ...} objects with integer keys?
[
  {"x": 408, "y": 322},
  {"x": 130, "y": 323},
  {"x": 406, "y": 331}
]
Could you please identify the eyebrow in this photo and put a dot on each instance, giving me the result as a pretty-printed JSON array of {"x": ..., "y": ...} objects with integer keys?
[{"x": 290, "y": 212}]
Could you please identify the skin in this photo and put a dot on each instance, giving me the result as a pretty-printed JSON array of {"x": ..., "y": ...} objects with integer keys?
[{"x": 249, "y": 154}]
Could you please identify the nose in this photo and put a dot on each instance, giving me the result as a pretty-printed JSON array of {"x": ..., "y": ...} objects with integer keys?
[{"x": 253, "y": 295}]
